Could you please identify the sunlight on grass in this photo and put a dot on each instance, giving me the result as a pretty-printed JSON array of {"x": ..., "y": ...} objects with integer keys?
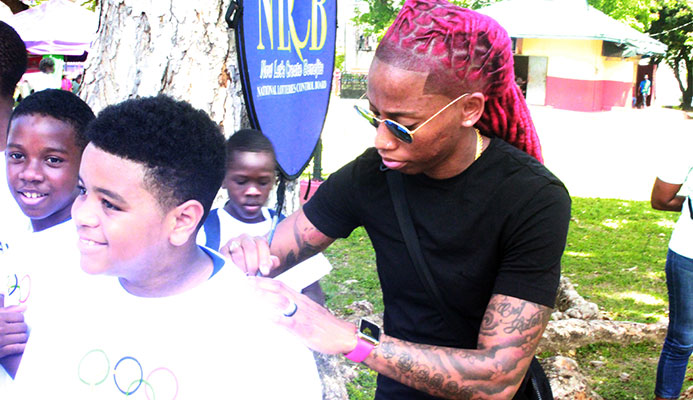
[
  {"x": 578, "y": 254},
  {"x": 665, "y": 223},
  {"x": 642, "y": 298},
  {"x": 610, "y": 223}
]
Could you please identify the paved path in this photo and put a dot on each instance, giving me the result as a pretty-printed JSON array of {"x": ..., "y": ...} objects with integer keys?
[{"x": 610, "y": 154}]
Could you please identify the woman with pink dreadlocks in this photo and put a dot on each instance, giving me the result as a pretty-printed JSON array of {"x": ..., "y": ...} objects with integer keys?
[{"x": 455, "y": 148}]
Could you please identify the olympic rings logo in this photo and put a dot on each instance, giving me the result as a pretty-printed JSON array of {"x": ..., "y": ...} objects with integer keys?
[
  {"x": 95, "y": 367},
  {"x": 18, "y": 289}
]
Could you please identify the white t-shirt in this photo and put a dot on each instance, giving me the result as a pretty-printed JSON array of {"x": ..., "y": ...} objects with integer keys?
[
  {"x": 13, "y": 222},
  {"x": 678, "y": 170},
  {"x": 298, "y": 277},
  {"x": 211, "y": 342},
  {"x": 40, "y": 267}
]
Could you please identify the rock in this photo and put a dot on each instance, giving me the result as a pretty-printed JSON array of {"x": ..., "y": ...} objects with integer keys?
[
  {"x": 361, "y": 308},
  {"x": 567, "y": 382},
  {"x": 597, "y": 364},
  {"x": 567, "y": 334},
  {"x": 624, "y": 377},
  {"x": 334, "y": 372},
  {"x": 569, "y": 303}
]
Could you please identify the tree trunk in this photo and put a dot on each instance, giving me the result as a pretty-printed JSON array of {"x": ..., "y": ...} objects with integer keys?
[
  {"x": 688, "y": 93},
  {"x": 180, "y": 48}
]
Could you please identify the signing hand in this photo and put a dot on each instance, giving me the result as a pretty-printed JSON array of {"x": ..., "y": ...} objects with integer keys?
[{"x": 250, "y": 254}]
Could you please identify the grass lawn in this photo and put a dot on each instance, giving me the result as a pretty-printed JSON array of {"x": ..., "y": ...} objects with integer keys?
[{"x": 614, "y": 256}]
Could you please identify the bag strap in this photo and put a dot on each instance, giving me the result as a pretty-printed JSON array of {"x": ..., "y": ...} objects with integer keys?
[
  {"x": 535, "y": 384},
  {"x": 406, "y": 225},
  {"x": 690, "y": 207}
]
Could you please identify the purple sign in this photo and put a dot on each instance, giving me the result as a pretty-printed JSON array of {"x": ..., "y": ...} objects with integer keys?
[{"x": 286, "y": 52}]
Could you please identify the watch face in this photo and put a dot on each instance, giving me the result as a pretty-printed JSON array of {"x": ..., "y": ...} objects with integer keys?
[{"x": 370, "y": 330}]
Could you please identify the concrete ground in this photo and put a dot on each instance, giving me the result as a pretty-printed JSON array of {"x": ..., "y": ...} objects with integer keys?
[{"x": 611, "y": 154}]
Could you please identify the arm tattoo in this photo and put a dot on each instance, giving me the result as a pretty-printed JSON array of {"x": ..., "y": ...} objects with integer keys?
[
  {"x": 305, "y": 248},
  {"x": 509, "y": 334}
]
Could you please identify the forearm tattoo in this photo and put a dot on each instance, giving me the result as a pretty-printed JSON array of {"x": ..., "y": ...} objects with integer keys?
[
  {"x": 509, "y": 334},
  {"x": 303, "y": 236}
]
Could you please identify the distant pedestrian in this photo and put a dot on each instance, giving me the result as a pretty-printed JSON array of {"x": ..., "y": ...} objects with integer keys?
[
  {"x": 66, "y": 83},
  {"x": 668, "y": 195},
  {"x": 645, "y": 89}
]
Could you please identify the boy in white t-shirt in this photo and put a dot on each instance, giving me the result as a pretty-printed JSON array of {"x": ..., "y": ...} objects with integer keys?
[
  {"x": 168, "y": 320},
  {"x": 250, "y": 176},
  {"x": 44, "y": 147}
]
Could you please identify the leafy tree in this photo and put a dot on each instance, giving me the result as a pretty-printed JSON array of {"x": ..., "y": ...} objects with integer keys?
[
  {"x": 674, "y": 27},
  {"x": 636, "y": 13},
  {"x": 381, "y": 14}
]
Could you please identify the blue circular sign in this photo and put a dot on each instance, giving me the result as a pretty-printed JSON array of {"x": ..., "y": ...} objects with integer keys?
[{"x": 286, "y": 53}]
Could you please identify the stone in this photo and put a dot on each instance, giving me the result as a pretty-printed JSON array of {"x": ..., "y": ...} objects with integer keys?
[
  {"x": 568, "y": 334},
  {"x": 569, "y": 303},
  {"x": 567, "y": 382}
]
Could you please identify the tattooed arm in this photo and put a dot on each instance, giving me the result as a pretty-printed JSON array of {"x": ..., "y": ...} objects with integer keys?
[
  {"x": 295, "y": 240},
  {"x": 508, "y": 338}
]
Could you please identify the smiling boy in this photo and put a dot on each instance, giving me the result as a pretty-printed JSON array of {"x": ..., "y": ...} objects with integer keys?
[
  {"x": 170, "y": 320},
  {"x": 44, "y": 147}
]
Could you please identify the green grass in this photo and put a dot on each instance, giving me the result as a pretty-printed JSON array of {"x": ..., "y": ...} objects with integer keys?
[{"x": 615, "y": 256}]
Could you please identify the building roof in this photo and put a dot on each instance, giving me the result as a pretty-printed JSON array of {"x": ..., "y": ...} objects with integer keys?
[{"x": 568, "y": 19}]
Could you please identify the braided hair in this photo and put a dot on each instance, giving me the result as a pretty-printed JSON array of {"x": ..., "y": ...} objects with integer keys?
[{"x": 463, "y": 50}]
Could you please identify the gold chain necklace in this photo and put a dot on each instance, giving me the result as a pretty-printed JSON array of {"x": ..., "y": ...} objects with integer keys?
[{"x": 479, "y": 144}]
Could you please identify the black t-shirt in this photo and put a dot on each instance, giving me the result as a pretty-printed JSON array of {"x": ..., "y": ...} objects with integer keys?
[{"x": 499, "y": 227}]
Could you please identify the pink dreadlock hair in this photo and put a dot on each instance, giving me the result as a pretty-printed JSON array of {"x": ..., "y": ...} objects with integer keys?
[{"x": 463, "y": 50}]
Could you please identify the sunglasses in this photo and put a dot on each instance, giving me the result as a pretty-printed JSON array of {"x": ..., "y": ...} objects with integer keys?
[{"x": 400, "y": 131}]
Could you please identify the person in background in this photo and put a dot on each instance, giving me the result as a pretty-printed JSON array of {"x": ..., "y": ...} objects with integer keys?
[
  {"x": 672, "y": 191},
  {"x": 13, "y": 62},
  {"x": 250, "y": 176},
  {"x": 76, "y": 84},
  {"x": 644, "y": 89},
  {"x": 66, "y": 83},
  {"x": 45, "y": 78},
  {"x": 454, "y": 141}
]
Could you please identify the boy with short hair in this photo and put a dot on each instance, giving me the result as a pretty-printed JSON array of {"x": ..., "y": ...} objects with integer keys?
[
  {"x": 44, "y": 148},
  {"x": 174, "y": 324},
  {"x": 250, "y": 176}
]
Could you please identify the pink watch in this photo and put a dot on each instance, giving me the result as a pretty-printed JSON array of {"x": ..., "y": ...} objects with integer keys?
[{"x": 367, "y": 337}]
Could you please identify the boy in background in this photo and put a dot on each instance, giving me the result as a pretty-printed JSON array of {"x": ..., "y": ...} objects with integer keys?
[
  {"x": 13, "y": 62},
  {"x": 169, "y": 321},
  {"x": 250, "y": 176},
  {"x": 44, "y": 147}
]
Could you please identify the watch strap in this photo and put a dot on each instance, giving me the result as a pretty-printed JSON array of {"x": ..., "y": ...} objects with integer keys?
[{"x": 361, "y": 351}]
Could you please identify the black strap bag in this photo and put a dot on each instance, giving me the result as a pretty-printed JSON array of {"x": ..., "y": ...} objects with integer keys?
[{"x": 535, "y": 385}]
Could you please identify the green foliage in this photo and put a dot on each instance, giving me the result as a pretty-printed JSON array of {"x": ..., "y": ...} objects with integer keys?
[
  {"x": 636, "y": 13},
  {"x": 674, "y": 27},
  {"x": 615, "y": 255},
  {"x": 363, "y": 386},
  {"x": 90, "y": 4},
  {"x": 339, "y": 62},
  {"x": 624, "y": 372},
  {"x": 381, "y": 13},
  {"x": 377, "y": 18}
]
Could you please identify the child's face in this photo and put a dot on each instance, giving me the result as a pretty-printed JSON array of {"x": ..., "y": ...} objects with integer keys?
[
  {"x": 249, "y": 180},
  {"x": 119, "y": 222},
  {"x": 42, "y": 166}
]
